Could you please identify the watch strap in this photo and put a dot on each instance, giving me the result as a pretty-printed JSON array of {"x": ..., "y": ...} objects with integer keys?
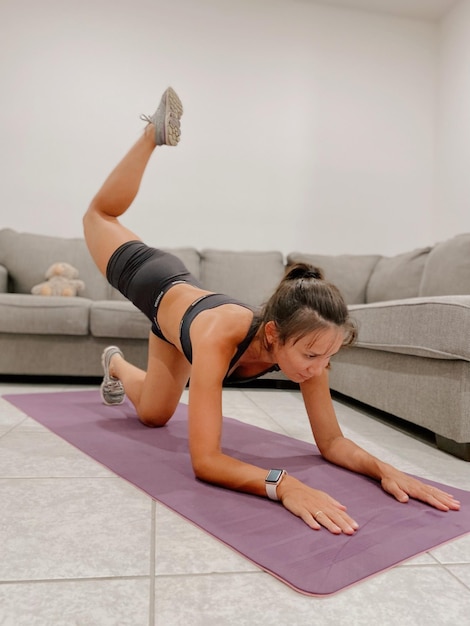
[{"x": 271, "y": 491}]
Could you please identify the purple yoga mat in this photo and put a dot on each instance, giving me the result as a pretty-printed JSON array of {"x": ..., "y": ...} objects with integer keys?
[{"x": 312, "y": 562}]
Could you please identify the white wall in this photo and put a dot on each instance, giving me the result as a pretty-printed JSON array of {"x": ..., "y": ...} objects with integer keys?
[
  {"x": 453, "y": 155},
  {"x": 305, "y": 127}
]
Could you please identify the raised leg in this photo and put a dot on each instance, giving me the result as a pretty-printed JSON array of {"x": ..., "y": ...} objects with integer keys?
[
  {"x": 156, "y": 392},
  {"x": 103, "y": 231}
]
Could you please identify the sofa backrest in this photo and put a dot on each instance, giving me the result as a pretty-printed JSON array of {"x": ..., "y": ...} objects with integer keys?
[
  {"x": 28, "y": 256},
  {"x": 447, "y": 270},
  {"x": 397, "y": 277},
  {"x": 349, "y": 272},
  {"x": 252, "y": 276},
  {"x": 248, "y": 276},
  {"x": 440, "y": 270}
]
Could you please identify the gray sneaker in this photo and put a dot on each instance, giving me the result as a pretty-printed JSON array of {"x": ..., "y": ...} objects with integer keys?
[
  {"x": 166, "y": 119},
  {"x": 112, "y": 390}
]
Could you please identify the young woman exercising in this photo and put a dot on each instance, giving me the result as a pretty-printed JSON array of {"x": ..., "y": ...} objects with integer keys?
[{"x": 207, "y": 338}]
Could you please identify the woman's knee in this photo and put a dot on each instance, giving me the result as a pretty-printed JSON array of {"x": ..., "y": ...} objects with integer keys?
[
  {"x": 89, "y": 220},
  {"x": 153, "y": 419}
]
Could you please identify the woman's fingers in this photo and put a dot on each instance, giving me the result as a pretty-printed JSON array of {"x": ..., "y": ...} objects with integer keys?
[
  {"x": 405, "y": 487},
  {"x": 334, "y": 522},
  {"x": 437, "y": 498},
  {"x": 318, "y": 510}
]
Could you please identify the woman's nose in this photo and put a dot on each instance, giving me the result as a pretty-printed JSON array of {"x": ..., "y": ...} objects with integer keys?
[{"x": 317, "y": 368}]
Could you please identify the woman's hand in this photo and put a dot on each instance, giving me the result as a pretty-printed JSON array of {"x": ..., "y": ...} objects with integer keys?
[
  {"x": 315, "y": 508},
  {"x": 404, "y": 487}
]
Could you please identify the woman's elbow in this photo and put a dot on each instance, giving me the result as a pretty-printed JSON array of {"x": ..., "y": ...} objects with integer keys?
[{"x": 202, "y": 467}]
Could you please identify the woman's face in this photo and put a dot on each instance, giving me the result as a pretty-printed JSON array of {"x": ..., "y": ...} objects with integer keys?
[{"x": 307, "y": 357}]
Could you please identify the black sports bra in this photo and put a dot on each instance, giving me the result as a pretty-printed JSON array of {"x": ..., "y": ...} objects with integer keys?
[{"x": 212, "y": 301}]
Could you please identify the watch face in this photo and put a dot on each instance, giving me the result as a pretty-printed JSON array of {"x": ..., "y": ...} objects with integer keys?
[{"x": 274, "y": 475}]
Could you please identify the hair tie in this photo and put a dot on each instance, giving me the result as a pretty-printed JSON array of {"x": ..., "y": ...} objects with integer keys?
[{"x": 312, "y": 274}]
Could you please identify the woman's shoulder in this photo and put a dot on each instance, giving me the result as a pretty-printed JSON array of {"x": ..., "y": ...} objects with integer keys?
[{"x": 222, "y": 328}]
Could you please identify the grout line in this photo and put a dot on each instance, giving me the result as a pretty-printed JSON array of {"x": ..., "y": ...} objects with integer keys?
[
  {"x": 194, "y": 575},
  {"x": 404, "y": 565},
  {"x": 9, "y": 429},
  {"x": 97, "y": 579},
  {"x": 464, "y": 585},
  {"x": 430, "y": 553}
]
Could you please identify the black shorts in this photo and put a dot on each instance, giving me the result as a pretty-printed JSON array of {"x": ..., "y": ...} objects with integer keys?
[{"x": 143, "y": 275}]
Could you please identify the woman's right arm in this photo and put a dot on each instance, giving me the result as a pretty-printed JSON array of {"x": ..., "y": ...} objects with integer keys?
[{"x": 212, "y": 465}]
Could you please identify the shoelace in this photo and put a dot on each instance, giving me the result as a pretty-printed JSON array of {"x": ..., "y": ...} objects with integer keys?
[
  {"x": 146, "y": 118},
  {"x": 113, "y": 386}
]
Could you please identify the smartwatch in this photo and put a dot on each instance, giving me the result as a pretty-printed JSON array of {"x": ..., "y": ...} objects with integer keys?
[{"x": 272, "y": 480}]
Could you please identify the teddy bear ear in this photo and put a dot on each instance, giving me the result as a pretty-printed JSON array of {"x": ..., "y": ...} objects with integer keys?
[{"x": 52, "y": 270}]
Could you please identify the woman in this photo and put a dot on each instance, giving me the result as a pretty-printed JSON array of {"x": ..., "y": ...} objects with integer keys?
[{"x": 210, "y": 337}]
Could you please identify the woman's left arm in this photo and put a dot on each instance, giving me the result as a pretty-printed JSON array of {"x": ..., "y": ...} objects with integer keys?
[{"x": 337, "y": 449}]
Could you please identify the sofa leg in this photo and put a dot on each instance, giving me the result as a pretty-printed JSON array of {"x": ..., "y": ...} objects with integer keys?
[{"x": 460, "y": 450}]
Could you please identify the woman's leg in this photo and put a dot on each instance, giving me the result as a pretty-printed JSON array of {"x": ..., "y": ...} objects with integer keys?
[
  {"x": 155, "y": 393},
  {"x": 103, "y": 231}
]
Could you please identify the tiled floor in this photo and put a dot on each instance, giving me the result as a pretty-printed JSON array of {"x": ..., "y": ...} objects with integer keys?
[{"x": 81, "y": 547}]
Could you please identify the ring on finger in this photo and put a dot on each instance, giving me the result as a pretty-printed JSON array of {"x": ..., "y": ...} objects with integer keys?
[{"x": 317, "y": 514}]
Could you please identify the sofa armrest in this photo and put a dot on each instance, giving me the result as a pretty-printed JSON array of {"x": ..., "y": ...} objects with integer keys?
[{"x": 3, "y": 279}]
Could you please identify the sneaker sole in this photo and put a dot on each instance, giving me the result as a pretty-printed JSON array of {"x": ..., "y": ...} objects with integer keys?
[
  {"x": 105, "y": 367},
  {"x": 173, "y": 113},
  {"x": 110, "y": 403}
]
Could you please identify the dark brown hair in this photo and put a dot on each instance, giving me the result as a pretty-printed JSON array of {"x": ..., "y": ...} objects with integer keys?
[{"x": 304, "y": 302}]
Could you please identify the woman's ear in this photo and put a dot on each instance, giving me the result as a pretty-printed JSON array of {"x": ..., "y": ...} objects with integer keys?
[{"x": 271, "y": 333}]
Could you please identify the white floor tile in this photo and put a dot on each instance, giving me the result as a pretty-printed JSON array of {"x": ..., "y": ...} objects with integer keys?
[
  {"x": 73, "y": 528},
  {"x": 454, "y": 552},
  {"x": 34, "y": 454},
  {"x": 183, "y": 548},
  {"x": 75, "y": 603},
  {"x": 65, "y": 520},
  {"x": 400, "y": 597}
]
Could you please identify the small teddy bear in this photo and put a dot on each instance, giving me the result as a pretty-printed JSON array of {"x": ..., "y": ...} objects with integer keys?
[{"x": 62, "y": 280}]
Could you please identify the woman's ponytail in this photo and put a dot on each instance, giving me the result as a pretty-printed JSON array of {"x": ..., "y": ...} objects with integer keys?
[{"x": 303, "y": 270}]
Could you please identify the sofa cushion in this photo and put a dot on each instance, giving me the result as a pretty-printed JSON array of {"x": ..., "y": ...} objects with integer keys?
[
  {"x": 118, "y": 319},
  {"x": 397, "y": 277},
  {"x": 425, "y": 327},
  {"x": 447, "y": 270},
  {"x": 349, "y": 272},
  {"x": 43, "y": 315},
  {"x": 28, "y": 256},
  {"x": 248, "y": 276}
]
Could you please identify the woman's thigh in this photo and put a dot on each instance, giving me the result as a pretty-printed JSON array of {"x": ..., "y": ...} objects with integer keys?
[
  {"x": 104, "y": 234},
  {"x": 167, "y": 375}
]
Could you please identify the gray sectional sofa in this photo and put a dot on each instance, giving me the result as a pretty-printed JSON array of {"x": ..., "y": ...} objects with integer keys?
[{"x": 412, "y": 358}]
